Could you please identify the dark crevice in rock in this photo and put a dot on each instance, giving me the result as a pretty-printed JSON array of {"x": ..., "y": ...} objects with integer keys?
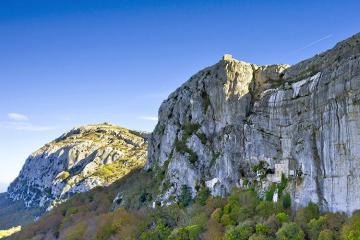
[{"x": 319, "y": 178}]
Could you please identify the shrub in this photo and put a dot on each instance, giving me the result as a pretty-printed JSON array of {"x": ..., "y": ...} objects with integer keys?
[
  {"x": 189, "y": 129},
  {"x": 202, "y": 196},
  {"x": 315, "y": 226},
  {"x": 145, "y": 197},
  {"x": 202, "y": 138},
  {"x": 104, "y": 227},
  {"x": 244, "y": 198},
  {"x": 282, "y": 217},
  {"x": 239, "y": 233},
  {"x": 226, "y": 220},
  {"x": 334, "y": 221},
  {"x": 266, "y": 209},
  {"x": 76, "y": 232},
  {"x": 216, "y": 214},
  {"x": 304, "y": 215},
  {"x": 282, "y": 185},
  {"x": 259, "y": 237},
  {"x": 187, "y": 233},
  {"x": 194, "y": 231},
  {"x": 326, "y": 235},
  {"x": 351, "y": 230},
  {"x": 290, "y": 231},
  {"x": 181, "y": 147},
  {"x": 159, "y": 232},
  {"x": 262, "y": 229},
  {"x": 180, "y": 144},
  {"x": 185, "y": 197},
  {"x": 261, "y": 166},
  {"x": 159, "y": 128},
  {"x": 214, "y": 231},
  {"x": 269, "y": 194},
  {"x": 192, "y": 156},
  {"x": 199, "y": 218},
  {"x": 128, "y": 224},
  {"x": 213, "y": 203},
  {"x": 235, "y": 213},
  {"x": 241, "y": 205},
  {"x": 206, "y": 101},
  {"x": 273, "y": 224},
  {"x": 286, "y": 201},
  {"x": 242, "y": 213}
]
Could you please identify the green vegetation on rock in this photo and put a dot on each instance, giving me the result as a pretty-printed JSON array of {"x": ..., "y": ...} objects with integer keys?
[
  {"x": 180, "y": 144},
  {"x": 117, "y": 169},
  {"x": 241, "y": 215},
  {"x": 62, "y": 176}
]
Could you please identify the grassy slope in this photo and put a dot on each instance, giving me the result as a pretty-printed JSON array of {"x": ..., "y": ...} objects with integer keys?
[{"x": 242, "y": 215}]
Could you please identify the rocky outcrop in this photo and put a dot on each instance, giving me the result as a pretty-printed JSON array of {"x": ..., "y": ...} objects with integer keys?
[
  {"x": 239, "y": 124},
  {"x": 79, "y": 160}
]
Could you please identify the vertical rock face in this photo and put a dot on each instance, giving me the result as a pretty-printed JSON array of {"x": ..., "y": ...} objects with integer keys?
[
  {"x": 79, "y": 160},
  {"x": 239, "y": 124}
]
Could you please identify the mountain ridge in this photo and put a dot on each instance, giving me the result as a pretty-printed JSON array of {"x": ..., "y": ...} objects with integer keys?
[{"x": 78, "y": 161}]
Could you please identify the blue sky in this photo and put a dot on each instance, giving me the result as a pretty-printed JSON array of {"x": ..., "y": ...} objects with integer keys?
[{"x": 69, "y": 63}]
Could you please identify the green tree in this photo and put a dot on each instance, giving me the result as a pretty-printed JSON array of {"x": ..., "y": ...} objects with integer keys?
[
  {"x": 326, "y": 235},
  {"x": 286, "y": 201},
  {"x": 241, "y": 206},
  {"x": 351, "y": 230},
  {"x": 334, "y": 221},
  {"x": 269, "y": 194},
  {"x": 262, "y": 229},
  {"x": 273, "y": 224},
  {"x": 185, "y": 197},
  {"x": 216, "y": 214},
  {"x": 239, "y": 233},
  {"x": 282, "y": 185},
  {"x": 259, "y": 237},
  {"x": 266, "y": 209},
  {"x": 315, "y": 226},
  {"x": 290, "y": 231},
  {"x": 226, "y": 220},
  {"x": 202, "y": 196},
  {"x": 304, "y": 215},
  {"x": 187, "y": 233},
  {"x": 282, "y": 217},
  {"x": 160, "y": 232}
]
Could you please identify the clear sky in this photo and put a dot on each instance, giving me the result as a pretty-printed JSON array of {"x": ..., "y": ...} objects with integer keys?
[{"x": 69, "y": 63}]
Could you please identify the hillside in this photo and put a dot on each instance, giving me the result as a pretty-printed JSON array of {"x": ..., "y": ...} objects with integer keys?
[
  {"x": 121, "y": 211},
  {"x": 79, "y": 160}
]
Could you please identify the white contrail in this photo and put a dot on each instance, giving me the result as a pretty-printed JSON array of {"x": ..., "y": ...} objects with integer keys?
[
  {"x": 17, "y": 116},
  {"x": 314, "y": 42},
  {"x": 149, "y": 118}
]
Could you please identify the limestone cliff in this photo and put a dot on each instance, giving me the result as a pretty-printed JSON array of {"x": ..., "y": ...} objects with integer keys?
[
  {"x": 239, "y": 124},
  {"x": 79, "y": 160}
]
